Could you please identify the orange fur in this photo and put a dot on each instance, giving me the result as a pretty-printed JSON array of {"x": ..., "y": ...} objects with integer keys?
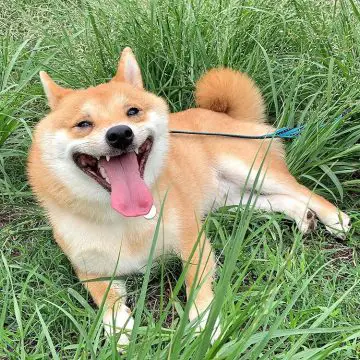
[
  {"x": 230, "y": 92},
  {"x": 196, "y": 172}
]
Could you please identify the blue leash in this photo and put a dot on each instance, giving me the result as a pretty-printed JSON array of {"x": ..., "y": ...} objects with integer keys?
[{"x": 282, "y": 133}]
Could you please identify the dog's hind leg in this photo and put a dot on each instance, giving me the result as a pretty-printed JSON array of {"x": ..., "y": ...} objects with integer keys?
[
  {"x": 275, "y": 179},
  {"x": 295, "y": 209},
  {"x": 335, "y": 221}
]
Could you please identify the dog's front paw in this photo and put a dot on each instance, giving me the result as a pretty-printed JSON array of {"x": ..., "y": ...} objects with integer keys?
[
  {"x": 201, "y": 320},
  {"x": 118, "y": 321},
  {"x": 338, "y": 225}
]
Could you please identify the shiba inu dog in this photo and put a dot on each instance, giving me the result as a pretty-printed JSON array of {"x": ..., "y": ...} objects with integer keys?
[{"x": 102, "y": 161}]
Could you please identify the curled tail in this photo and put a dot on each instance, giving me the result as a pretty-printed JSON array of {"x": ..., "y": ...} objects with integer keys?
[{"x": 231, "y": 92}]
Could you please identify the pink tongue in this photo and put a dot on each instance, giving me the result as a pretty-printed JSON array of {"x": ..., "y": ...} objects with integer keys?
[{"x": 129, "y": 194}]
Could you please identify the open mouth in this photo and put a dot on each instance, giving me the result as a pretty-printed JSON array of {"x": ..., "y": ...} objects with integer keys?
[
  {"x": 123, "y": 176},
  {"x": 94, "y": 168}
]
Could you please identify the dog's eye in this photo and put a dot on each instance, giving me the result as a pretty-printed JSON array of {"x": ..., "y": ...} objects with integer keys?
[
  {"x": 84, "y": 124},
  {"x": 132, "y": 111}
]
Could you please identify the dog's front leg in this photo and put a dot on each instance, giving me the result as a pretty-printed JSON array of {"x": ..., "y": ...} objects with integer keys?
[
  {"x": 200, "y": 267},
  {"x": 117, "y": 317}
]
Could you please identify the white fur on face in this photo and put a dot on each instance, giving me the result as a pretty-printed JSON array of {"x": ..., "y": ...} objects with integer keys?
[
  {"x": 57, "y": 153},
  {"x": 58, "y": 149},
  {"x": 157, "y": 127}
]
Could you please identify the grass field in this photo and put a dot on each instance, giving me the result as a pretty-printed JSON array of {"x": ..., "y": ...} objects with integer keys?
[{"x": 279, "y": 295}]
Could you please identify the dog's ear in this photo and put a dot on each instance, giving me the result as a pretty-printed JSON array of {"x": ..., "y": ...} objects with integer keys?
[
  {"x": 128, "y": 69},
  {"x": 53, "y": 92}
]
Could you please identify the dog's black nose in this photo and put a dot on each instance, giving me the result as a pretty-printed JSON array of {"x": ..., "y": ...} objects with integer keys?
[{"x": 119, "y": 137}]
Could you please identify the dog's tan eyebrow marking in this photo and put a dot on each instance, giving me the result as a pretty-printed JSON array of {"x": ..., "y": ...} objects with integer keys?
[
  {"x": 93, "y": 109},
  {"x": 89, "y": 108},
  {"x": 117, "y": 101}
]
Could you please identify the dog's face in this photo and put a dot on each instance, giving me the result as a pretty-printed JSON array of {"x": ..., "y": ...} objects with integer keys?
[{"x": 106, "y": 143}]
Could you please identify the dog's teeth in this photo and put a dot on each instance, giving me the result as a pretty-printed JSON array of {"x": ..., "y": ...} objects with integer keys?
[
  {"x": 102, "y": 172},
  {"x": 137, "y": 151},
  {"x": 151, "y": 214},
  {"x": 107, "y": 179},
  {"x": 107, "y": 158},
  {"x": 98, "y": 158}
]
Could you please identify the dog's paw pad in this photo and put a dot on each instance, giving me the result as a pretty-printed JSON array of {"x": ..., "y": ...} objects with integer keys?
[
  {"x": 308, "y": 223},
  {"x": 310, "y": 215},
  {"x": 311, "y": 220}
]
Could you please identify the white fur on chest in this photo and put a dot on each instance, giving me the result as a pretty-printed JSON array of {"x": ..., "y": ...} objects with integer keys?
[{"x": 116, "y": 247}]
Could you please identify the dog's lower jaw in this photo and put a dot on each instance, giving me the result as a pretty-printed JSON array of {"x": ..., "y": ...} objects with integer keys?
[{"x": 119, "y": 320}]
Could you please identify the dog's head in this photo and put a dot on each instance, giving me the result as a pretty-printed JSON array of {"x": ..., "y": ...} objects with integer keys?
[{"x": 105, "y": 143}]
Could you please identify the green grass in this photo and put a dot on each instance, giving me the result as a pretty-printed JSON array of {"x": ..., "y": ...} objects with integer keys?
[{"x": 280, "y": 295}]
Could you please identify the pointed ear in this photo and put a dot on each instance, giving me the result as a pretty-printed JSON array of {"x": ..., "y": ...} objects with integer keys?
[
  {"x": 53, "y": 92},
  {"x": 128, "y": 69}
]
